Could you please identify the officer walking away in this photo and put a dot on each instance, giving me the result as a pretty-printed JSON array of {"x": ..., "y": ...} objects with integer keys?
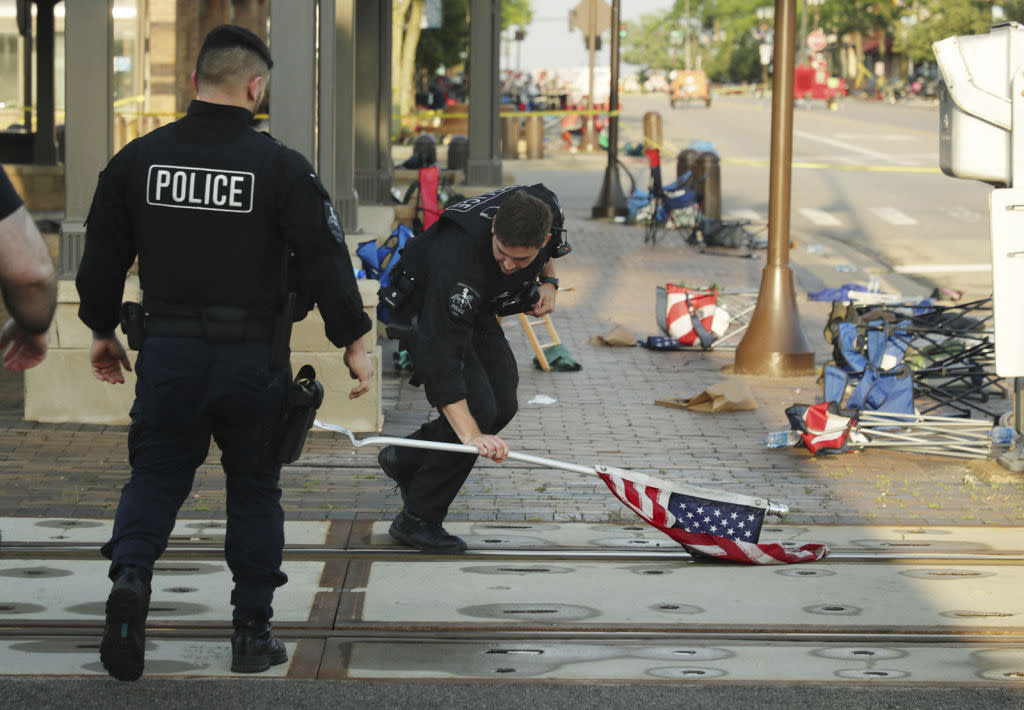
[
  {"x": 28, "y": 281},
  {"x": 211, "y": 208},
  {"x": 486, "y": 256}
]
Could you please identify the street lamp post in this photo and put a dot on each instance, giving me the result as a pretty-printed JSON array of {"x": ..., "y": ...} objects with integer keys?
[{"x": 774, "y": 342}]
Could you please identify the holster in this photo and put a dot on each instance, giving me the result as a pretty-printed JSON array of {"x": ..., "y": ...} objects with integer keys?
[
  {"x": 305, "y": 394},
  {"x": 133, "y": 323}
]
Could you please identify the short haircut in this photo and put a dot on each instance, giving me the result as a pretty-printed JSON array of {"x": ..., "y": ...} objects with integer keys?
[
  {"x": 522, "y": 220},
  {"x": 231, "y": 54}
]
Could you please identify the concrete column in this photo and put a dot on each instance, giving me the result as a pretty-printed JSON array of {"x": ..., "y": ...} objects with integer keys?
[
  {"x": 484, "y": 164},
  {"x": 252, "y": 14},
  {"x": 46, "y": 137},
  {"x": 293, "y": 78},
  {"x": 88, "y": 92},
  {"x": 337, "y": 111},
  {"x": 187, "y": 40},
  {"x": 373, "y": 169}
]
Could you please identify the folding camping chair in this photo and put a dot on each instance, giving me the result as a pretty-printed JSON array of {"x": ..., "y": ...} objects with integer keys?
[
  {"x": 429, "y": 194},
  {"x": 725, "y": 324},
  {"x": 672, "y": 206},
  {"x": 948, "y": 349}
]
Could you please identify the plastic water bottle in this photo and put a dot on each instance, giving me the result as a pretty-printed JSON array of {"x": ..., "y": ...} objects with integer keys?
[
  {"x": 781, "y": 439},
  {"x": 1002, "y": 435}
]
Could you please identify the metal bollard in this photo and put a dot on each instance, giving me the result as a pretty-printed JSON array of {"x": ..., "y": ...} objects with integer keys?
[
  {"x": 687, "y": 161},
  {"x": 510, "y": 137},
  {"x": 652, "y": 130},
  {"x": 426, "y": 147},
  {"x": 534, "y": 137},
  {"x": 710, "y": 170},
  {"x": 458, "y": 153}
]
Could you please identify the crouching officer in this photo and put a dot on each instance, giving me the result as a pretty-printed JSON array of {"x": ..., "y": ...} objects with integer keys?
[
  {"x": 212, "y": 209},
  {"x": 486, "y": 256}
]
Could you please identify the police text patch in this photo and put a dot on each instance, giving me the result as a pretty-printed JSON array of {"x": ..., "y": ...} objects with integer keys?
[
  {"x": 463, "y": 301},
  {"x": 200, "y": 188}
]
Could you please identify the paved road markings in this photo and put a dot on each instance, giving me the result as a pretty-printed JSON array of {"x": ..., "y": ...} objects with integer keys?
[
  {"x": 893, "y": 216},
  {"x": 819, "y": 217},
  {"x": 752, "y": 215},
  {"x": 941, "y": 268}
]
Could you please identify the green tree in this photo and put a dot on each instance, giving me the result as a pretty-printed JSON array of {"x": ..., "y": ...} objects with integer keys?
[
  {"x": 932, "y": 20},
  {"x": 516, "y": 12},
  {"x": 649, "y": 42},
  {"x": 446, "y": 45}
]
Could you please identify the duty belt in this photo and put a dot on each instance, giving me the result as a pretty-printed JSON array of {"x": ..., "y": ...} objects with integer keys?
[{"x": 214, "y": 331}]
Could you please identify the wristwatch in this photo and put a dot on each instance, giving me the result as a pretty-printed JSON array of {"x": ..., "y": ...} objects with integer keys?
[{"x": 549, "y": 280}]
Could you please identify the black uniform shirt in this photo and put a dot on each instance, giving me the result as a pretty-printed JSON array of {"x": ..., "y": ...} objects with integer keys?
[
  {"x": 458, "y": 277},
  {"x": 10, "y": 200},
  {"x": 209, "y": 204}
]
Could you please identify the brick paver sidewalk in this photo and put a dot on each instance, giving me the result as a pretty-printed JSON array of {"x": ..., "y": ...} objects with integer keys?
[{"x": 604, "y": 414}]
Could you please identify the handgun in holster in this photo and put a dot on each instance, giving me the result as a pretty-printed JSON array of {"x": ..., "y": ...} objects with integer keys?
[
  {"x": 133, "y": 324},
  {"x": 304, "y": 397}
]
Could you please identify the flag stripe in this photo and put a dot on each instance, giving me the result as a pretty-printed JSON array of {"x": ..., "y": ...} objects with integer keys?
[{"x": 652, "y": 503}]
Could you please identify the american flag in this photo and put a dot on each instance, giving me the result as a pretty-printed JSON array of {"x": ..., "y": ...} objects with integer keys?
[{"x": 707, "y": 523}]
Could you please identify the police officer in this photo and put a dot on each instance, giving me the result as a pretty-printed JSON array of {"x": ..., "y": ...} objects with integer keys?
[
  {"x": 211, "y": 208},
  {"x": 486, "y": 256},
  {"x": 28, "y": 282}
]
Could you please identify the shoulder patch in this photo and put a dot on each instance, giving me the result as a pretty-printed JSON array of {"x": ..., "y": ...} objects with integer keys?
[
  {"x": 463, "y": 301},
  {"x": 330, "y": 214}
]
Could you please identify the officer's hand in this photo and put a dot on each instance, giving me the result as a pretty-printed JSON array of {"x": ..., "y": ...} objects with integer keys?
[
  {"x": 108, "y": 356},
  {"x": 21, "y": 349},
  {"x": 490, "y": 446},
  {"x": 546, "y": 304},
  {"x": 360, "y": 367}
]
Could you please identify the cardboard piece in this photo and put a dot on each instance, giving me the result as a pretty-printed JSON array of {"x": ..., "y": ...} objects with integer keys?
[
  {"x": 731, "y": 395},
  {"x": 618, "y": 337}
]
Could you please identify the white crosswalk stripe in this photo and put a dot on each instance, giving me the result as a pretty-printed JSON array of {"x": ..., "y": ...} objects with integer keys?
[
  {"x": 893, "y": 216},
  {"x": 752, "y": 215},
  {"x": 819, "y": 217}
]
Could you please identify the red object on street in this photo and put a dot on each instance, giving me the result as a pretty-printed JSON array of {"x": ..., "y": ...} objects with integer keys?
[{"x": 812, "y": 81}]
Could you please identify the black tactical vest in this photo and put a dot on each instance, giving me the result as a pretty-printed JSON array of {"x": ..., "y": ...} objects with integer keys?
[{"x": 203, "y": 197}]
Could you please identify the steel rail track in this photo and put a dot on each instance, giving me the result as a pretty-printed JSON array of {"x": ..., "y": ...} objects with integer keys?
[
  {"x": 76, "y": 551},
  {"x": 609, "y": 634}
]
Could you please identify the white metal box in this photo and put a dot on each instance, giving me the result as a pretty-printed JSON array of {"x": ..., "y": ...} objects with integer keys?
[{"x": 975, "y": 108}]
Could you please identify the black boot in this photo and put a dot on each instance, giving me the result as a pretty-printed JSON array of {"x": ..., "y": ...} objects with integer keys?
[
  {"x": 416, "y": 532},
  {"x": 254, "y": 648},
  {"x": 396, "y": 469},
  {"x": 123, "y": 648}
]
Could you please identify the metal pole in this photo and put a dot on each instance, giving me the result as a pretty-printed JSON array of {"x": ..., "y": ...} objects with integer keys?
[
  {"x": 775, "y": 343},
  {"x": 686, "y": 48},
  {"x": 611, "y": 202},
  {"x": 802, "y": 39},
  {"x": 589, "y": 139}
]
